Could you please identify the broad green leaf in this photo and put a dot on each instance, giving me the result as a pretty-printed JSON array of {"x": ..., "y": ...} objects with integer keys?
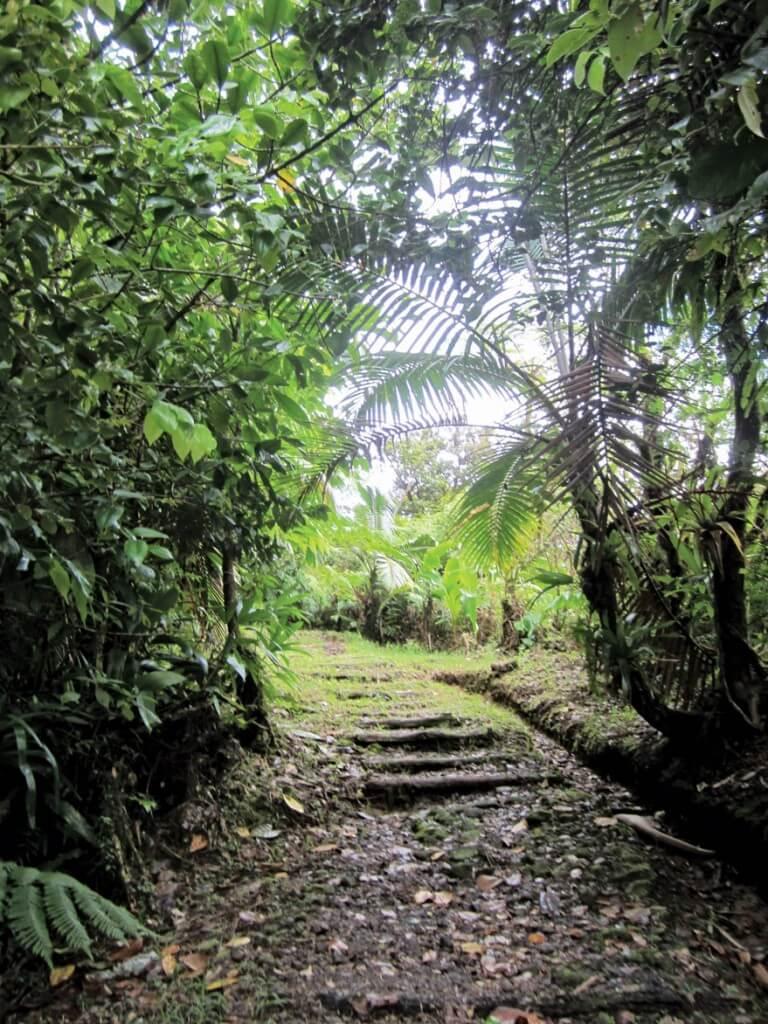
[
  {"x": 631, "y": 37},
  {"x": 159, "y": 551},
  {"x": 201, "y": 442},
  {"x": 596, "y": 74},
  {"x": 569, "y": 42},
  {"x": 277, "y": 13},
  {"x": 267, "y": 121},
  {"x": 107, "y": 7},
  {"x": 60, "y": 578},
  {"x": 10, "y": 55},
  {"x": 750, "y": 110},
  {"x": 229, "y": 288},
  {"x": 580, "y": 68},
  {"x": 216, "y": 57},
  {"x": 135, "y": 550},
  {"x": 12, "y": 96},
  {"x": 181, "y": 438},
  {"x": 293, "y": 409},
  {"x": 295, "y": 132},
  {"x": 160, "y": 419}
]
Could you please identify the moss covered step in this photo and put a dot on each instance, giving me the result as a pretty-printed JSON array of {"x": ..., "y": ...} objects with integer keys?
[
  {"x": 423, "y": 737},
  {"x": 412, "y": 722},
  {"x": 397, "y": 787},
  {"x": 432, "y": 762}
]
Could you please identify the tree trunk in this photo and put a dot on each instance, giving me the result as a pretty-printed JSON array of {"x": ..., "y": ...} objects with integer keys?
[{"x": 743, "y": 676}]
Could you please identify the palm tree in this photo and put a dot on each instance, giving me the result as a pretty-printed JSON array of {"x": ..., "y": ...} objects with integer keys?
[{"x": 558, "y": 187}]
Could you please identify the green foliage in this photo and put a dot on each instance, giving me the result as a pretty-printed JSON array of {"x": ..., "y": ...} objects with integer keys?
[{"x": 39, "y": 907}]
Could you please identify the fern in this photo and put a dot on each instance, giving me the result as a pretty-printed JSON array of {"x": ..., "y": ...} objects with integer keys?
[{"x": 34, "y": 904}]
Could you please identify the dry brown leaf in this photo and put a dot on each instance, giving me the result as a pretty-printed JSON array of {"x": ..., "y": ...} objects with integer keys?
[
  {"x": 338, "y": 947},
  {"x": 239, "y": 940},
  {"x": 173, "y": 949},
  {"x": 195, "y": 962},
  {"x": 485, "y": 883},
  {"x": 587, "y": 984},
  {"x": 429, "y": 956},
  {"x": 638, "y": 915},
  {"x": 473, "y": 948},
  {"x": 126, "y": 951},
  {"x": 536, "y": 938},
  {"x": 243, "y": 832},
  {"x": 59, "y": 975},
  {"x": 169, "y": 964},
  {"x": 761, "y": 974},
  {"x": 511, "y": 1015},
  {"x": 437, "y": 855},
  {"x": 197, "y": 843},
  {"x": 604, "y": 822},
  {"x": 325, "y": 848},
  {"x": 423, "y": 896},
  {"x": 214, "y": 986},
  {"x": 519, "y": 826},
  {"x": 443, "y": 898}
]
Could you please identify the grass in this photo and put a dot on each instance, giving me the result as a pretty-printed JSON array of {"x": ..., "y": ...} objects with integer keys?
[{"x": 386, "y": 681}]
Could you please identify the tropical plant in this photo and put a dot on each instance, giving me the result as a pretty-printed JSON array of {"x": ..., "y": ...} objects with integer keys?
[
  {"x": 636, "y": 270},
  {"x": 33, "y": 904}
]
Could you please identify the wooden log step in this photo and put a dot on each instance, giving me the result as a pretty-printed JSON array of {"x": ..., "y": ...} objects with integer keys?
[
  {"x": 414, "y": 722},
  {"x": 429, "y": 762},
  {"x": 395, "y": 787},
  {"x": 423, "y": 737}
]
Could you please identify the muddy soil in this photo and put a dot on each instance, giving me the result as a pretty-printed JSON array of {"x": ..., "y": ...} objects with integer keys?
[{"x": 439, "y": 903}]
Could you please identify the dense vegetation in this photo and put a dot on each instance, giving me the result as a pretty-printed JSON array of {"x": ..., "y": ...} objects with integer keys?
[{"x": 214, "y": 218}]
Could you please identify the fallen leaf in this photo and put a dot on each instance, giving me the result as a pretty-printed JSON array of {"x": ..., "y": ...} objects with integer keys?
[
  {"x": 519, "y": 826},
  {"x": 239, "y": 940},
  {"x": 265, "y": 832},
  {"x": 243, "y": 832},
  {"x": 195, "y": 962},
  {"x": 338, "y": 948},
  {"x": 511, "y": 1015},
  {"x": 169, "y": 964},
  {"x": 429, "y": 956},
  {"x": 638, "y": 915},
  {"x": 59, "y": 975},
  {"x": 293, "y": 802},
  {"x": 171, "y": 950},
  {"x": 485, "y": 883},
  {"x": 471, "y": 947},
  {"x": 443, "y": 898},
  {"x": 536, "y": 938},
  {"x": 604, "y": 822},
  {"x": 514, "y": 879},
  {"x": 437, "y": 855},
  {"x": 761, "y": 974},
  {"x": 198, "y": 843},
  {"x": 423, "y": 896},
  {"x": 126, "y": 951},
  {"x": 325, "y": 848},
  {"x": 214, "y": 986},
  {"x": 587, "y": 984}
]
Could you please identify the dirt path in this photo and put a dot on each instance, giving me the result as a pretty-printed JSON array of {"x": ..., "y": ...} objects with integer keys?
[{"x": 437, "y": 877}]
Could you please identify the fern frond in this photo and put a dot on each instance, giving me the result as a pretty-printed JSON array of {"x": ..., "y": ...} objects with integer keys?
[
  {"x": 110, "y": 919},
  {"x": 63, "y": 914},
  {"x": 26, "y": 914},
  {"x": 34, "y": 902}
]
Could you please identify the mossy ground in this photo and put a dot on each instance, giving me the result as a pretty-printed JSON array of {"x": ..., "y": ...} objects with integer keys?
[{"x": 341, "y": 677}]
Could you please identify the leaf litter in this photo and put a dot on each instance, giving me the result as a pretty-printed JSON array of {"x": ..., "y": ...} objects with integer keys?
[{"x": 529, "y": 904}]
